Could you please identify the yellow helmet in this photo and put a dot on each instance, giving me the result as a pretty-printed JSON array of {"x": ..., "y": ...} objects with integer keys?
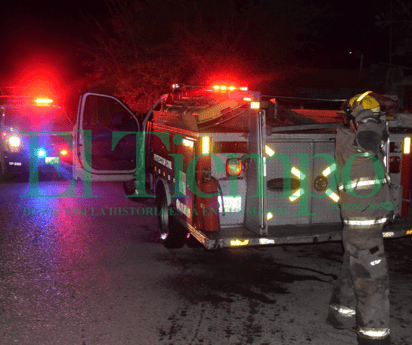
[{"x": 367, "y": 101}]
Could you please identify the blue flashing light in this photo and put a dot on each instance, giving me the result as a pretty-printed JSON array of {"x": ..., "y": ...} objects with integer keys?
[{"x": 41, "y": 153}]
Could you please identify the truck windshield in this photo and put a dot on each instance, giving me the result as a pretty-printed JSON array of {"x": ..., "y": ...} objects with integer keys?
[{"x": 32, "y": 118}]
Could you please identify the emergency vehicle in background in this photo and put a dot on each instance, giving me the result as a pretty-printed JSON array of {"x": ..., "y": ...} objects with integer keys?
[
  {"x": 21, "y": 114},
  {"x": 210, "y": 163}
]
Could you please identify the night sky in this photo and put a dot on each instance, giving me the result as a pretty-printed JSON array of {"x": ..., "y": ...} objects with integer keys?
[{"x": 42, "y": 38}]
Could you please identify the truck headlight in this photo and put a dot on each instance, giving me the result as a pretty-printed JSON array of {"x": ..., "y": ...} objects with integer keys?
[{"x": 14, "y": 141}]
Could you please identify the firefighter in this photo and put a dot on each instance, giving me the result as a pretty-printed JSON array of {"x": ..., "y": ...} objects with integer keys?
[{"x": 361, "y": 294}]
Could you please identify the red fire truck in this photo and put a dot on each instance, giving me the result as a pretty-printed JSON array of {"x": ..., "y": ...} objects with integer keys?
[{"x": 229, "y": 167}]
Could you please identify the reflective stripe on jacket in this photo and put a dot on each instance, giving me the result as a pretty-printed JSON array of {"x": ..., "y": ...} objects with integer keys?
[{"x": 364, "y": 183}]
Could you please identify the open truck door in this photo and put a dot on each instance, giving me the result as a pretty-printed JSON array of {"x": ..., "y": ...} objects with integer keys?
[{"x": 105, "y": 139}]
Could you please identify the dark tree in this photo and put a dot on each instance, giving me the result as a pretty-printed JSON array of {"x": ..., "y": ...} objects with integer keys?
[{"x": 145, "y": 46}]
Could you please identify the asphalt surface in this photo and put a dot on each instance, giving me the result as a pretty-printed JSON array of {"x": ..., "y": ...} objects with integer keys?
[{"x": 76, "y": 270}]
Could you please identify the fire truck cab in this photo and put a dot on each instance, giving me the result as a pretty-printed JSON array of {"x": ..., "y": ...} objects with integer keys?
[{"x": 229, "y": 168}]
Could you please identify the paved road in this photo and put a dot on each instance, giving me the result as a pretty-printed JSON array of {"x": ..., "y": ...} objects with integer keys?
[{"x": 94, "y": 276}]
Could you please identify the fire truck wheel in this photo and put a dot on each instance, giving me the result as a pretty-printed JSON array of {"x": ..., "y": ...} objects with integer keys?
[{"x": 171, "y": 233}]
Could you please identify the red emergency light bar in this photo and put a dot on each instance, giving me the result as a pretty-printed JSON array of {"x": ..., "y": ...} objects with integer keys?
[
  {"x": 224, "y": 88},
  {"x": 43, "y": 102}
]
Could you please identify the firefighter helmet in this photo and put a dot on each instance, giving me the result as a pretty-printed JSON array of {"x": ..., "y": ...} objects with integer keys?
[{"x": 367, "y": 101}]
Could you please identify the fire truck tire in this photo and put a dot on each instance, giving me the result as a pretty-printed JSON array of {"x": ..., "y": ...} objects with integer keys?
[{"x": 172, "y": 235}]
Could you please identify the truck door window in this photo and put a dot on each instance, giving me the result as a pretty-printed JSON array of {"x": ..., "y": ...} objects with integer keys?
[{"x": 105, "y": 112}]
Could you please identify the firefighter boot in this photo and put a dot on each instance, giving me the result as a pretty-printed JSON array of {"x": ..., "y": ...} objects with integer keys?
[{"x": 340, "y": 322}]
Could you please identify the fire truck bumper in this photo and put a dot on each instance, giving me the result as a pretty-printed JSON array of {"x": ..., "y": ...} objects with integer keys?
[
  {"x": 240, "y": 236},
  {"x": 16, "y": 162}
]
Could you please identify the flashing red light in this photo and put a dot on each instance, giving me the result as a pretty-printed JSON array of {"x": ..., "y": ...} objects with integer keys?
[
  {"x": 247, "y": 99},
  {"x": 64, "y": 152},
  {"x": 43, "y": 102},
  {"x": 230, "y": 88}
]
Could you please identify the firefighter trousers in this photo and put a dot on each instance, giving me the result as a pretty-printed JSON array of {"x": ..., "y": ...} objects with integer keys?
[{"x": 361, "y": 293}]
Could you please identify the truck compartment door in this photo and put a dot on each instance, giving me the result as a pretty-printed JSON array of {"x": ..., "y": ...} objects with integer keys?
[{"x": 306, "y": 201}]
